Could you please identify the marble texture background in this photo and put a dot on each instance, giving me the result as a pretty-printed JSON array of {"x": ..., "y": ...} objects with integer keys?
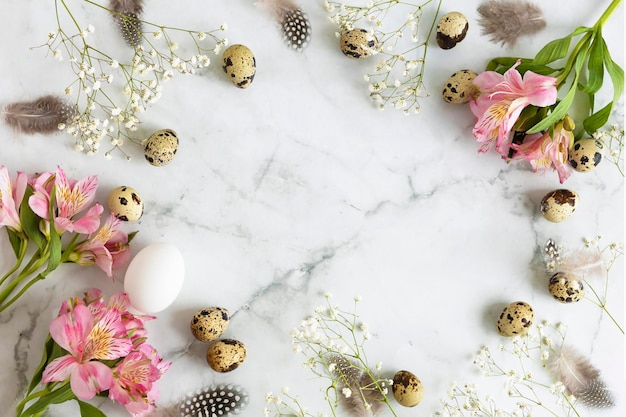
[{"x": 298, "y": 186}]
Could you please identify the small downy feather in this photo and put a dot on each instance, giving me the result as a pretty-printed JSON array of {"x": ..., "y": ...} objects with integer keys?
[
  {"x": 293, "y": 21},
  {"x": 584, "y": 263},
  {"x": 126, "y": 16},
  {"x": 42, "y": 115},
  {"x": 214, "y": 401},
  {"x": 363, "y": 399},
  {"x": 580, "y": 378},
  {"x": 506, "y": 20}
]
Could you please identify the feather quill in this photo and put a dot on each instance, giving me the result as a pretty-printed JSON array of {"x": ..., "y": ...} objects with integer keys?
[
  {"x": 580, "y": 378},
  {"x": 506, "y": 20},
  {"x": 126, "y": 16},
  {"x": 364, "y": 398},
  {"x": 43, "y": 115},
  {"x": 294, "y": 23}
]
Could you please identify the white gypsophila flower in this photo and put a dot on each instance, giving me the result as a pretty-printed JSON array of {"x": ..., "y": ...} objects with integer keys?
[{"x": 347, "y": 392}]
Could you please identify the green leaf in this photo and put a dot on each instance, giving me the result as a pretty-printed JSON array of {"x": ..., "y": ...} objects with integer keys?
[
  {"x": 88, "y": 410},
  {"x": 16, "y": 241},
  {"x": 554, "y": 50},
  {"x": 58, "y": 396},
  {"x": 502, "y": 64},
  {"x": 598, "y": 119},
  {"x": 56, "y": 250},
  {"x": 616, "y": 73},
  {"x": 30, "y": 221},
  {"x": 47, "y": 352},
  {"x": 595, "y": 66}
]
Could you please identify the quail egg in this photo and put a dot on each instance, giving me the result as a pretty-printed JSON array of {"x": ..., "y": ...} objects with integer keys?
[
  {"x": 209, "y": 323},
  {"x": 559, "y": 205},
  {"x": 358, "y": 43},
  {"x": 451, "y": 30},
  {"x": 515, "y": 319},
  {"x": 226, "y": 355},
  {"x": 161, "y": 147},
  {"x": 566, "y": 288},
  {"x": 407, "y": 389},
  {"x": 460, "y": 87},
  {"x": 239, "y": 64},
  {"x": 586, "y": 154},
  {"x": 125, "y": 203}
]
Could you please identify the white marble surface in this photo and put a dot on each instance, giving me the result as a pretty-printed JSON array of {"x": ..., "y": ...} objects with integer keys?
[{"x": 297, "y": 186}]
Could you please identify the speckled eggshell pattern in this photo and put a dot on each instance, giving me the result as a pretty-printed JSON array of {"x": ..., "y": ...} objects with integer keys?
[
  {"x": 559, "y": 205},
  {"x": 161, "y": 147},
  {"x": 125, "y": 203},
  {"x": 515, "y": 319},
  {"x": 586, "y": 154},
  {"x": 407, "y": 389},
  {"x": 209, "y": 323},
  {"x": 451, "y": 30},
  {"x": 460, "y": 87},
  {"x": 239, "y": 64},
  {"x": 566, "y": 288},
  {"x": 358, "y": 43},
  {"x": 226, "y": 355}
]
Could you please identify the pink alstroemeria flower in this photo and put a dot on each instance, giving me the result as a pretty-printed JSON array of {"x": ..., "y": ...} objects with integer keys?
[
  {"x": 108, "y": 248},
  {"x": 87, "y": 341},
  {"x": 134, "y": 380},
  {"x": 71, "y": 198},
  {"x": 502, "y": 98},
  {"x": 544, "y": 151},
  {"x": 11, "y": 195}
]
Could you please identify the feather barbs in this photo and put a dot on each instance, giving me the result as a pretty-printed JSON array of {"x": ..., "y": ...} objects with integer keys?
[
  {"x": 43, "y": 115},
  {"x": 294, "y": 23},
  {"x": 507, "y": 20},
  {"x": 126, "y": 16}
]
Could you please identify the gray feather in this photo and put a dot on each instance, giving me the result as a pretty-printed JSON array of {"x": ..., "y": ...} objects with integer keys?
[
  {"x": 42, "y": 115},
  {"x": 366, "y": 399},
  {"x": 126, "y": 16},
  {"x": 506, "y": 20}
]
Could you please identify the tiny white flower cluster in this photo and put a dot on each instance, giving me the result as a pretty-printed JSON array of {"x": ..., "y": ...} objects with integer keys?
[
  {"x": 529, "y": 389},
  {"x": 613, "y": 139},
  {"x": 332, "y": 343},
  {"x": 397, "y": 77},
  {"x": 109, "y": 94}
]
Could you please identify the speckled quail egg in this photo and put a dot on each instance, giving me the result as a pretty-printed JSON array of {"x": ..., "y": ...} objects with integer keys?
[
  {"x": 209, "y": 323},
  {"x": 407, "y": 389},
  {"x": 125, "y": 204},
  {"x": 451, "y": 30},
  {"x": 460, "y": 87},
  {"x": 559, "y": 205},
  {"x": 566, "y": 288},
  {"x": 239, "y": 64},
  {"x": 358, "y": 43},
  {"x": 226, "y": 355},
  {"x": 586, "y": 154},
  {"x": 161, "y": 147},
  {"x": 515, "y": 319}
]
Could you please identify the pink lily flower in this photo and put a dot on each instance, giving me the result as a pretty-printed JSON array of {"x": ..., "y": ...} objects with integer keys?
[
  {"x": 134, "y": 380},
  {"x": 544, "y": 151},
  {"x": 502, "y": 98},
  {"x": 108, "y": 248},
  {"x": 87, "y": 340},
  {"x": 11, "y": 195}
]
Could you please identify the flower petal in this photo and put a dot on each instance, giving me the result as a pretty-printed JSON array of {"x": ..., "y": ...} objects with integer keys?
[
  {"x": 70, "y": 330},
  {"x": 89, "y": 379},
  {"x": 59, "y": 369}
]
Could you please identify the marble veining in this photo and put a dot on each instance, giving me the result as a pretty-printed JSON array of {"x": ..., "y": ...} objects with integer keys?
[{"x": 298, "y": 186}]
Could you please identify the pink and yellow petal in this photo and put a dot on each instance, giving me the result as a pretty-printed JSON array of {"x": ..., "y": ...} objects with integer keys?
[
  {"x": 90, "y": 378},
  {"x": 59, "y": 369},
  {"x": 71, "y": 329}
]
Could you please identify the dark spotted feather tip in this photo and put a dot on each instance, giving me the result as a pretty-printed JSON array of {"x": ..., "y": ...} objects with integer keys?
[
  {"x": 126, "y": 16},
  {"x": 294, "y": 23}
]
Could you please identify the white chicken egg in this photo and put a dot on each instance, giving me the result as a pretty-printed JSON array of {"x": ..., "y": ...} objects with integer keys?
[{"x": 154, "y": 277}]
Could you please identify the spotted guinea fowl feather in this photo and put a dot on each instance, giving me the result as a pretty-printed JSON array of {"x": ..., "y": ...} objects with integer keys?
[
  {"x": 126, "y": 16},
  {"x": 294, "y": 23},
  {"x": 363, "y": 399},
  {"x": 42, "y": 115},
  {"x": 213, "y": 401}
]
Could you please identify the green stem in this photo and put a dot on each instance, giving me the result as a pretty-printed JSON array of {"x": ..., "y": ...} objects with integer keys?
[
  {"x": 30, "y": 283},
  {"x": 18, "y": 263},
  {"x": 36, "y": 262},
  {"x": 607, "y": 13}
]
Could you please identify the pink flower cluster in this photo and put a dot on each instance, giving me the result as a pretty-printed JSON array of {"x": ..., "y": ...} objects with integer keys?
[
  {"x": 67, "y": 206},
  {"x": 498, "y": 107},
  {"x": 106, "y": 351}
]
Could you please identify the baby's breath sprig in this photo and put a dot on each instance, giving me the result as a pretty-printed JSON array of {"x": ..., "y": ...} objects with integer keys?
[
  {"x": 527, "y": 384},
  {"x": 332, "y": 340},
  {"x": 105, "y": 108},
  {"x": 397, "y": 77},
  {"x": 613, "y": 139}
]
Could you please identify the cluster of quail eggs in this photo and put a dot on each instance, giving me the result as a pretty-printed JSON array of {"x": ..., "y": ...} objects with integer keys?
[{"x": 208, "y": 325}]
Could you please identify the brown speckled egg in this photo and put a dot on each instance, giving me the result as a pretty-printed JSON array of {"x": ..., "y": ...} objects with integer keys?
[
  {"x": 358, "y": 43},
  {"x": 451, "y": 30},
  {"x": 566, "y": 288},
  {"x": 239, "y": 64},
  {"x": 125, "y": 204},
  {"x": 586, "y": 154},
  {"x": 209, "y": 323},
  {"x": 559, "y": 205},
  {"x": 161, "y": 147},
  {"x": 226, "y": 355},
  {"x": 407, "y": 389},
  {"x": 515, "y": 319},
  {"x": 460, "y": 87}
]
